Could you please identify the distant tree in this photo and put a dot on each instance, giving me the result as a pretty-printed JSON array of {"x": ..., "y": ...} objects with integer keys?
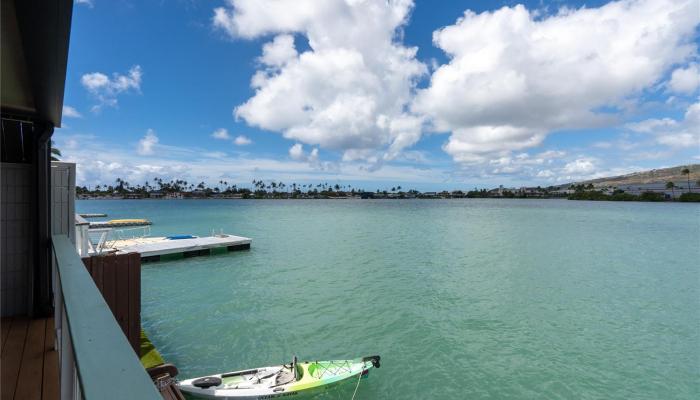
[
  {"x": 686, "y": 172},
  {"x": 55, "y": 152},
  {"x": 670, "y": 185}
]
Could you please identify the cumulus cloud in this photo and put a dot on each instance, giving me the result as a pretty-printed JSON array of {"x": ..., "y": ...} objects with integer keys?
[
  {"x": 685, "y": 80},
  {"x": 678, "y": 134},
  {"x": 514, "y": 77},
  {"x": 279, "y": 51},
  {"x": 241, "y": 140},
  {"x": 581, "y": 166},
  {"x": 350, "y": 91},
  {"x": 71, "y": 112},
  {"x": 197, "y": 164},
  {"x": 106, "y": 89},
  {"x": 147, "y": 143},
  {"x": 221, "y": 134}
]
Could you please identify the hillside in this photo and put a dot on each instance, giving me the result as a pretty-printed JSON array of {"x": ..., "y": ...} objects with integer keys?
[{"x": 661, "y": 175}]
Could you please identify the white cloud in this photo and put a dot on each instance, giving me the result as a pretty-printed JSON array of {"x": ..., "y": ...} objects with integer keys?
[
  {"x": 71, "y": 112},
  {"x": 685, "y": 80},
  {"x": 197, "y": 164},
  {"x": 106, "y": 89},
  {"x": 278, "y": 52},
  {"x": 241, "y": 140},
  {"x": 514, "y": 77},
  {"x": 296, "y": 152},
  {"x": 350, "y": 91},
  {"x": 523, "y": 163},
  {"x": 678, "y": 134},
  {"x": 581, "y": 166},
  {"x": 221, "y": 134},
  {"x": 147, "y": 143},
  {"x": 88, "y": 3}
]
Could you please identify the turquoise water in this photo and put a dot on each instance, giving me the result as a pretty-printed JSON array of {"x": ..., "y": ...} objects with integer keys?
[{"x": 478, "y": 299}]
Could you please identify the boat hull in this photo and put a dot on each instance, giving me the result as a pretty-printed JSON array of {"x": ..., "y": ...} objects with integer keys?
[{"x": 279, "y": 381}]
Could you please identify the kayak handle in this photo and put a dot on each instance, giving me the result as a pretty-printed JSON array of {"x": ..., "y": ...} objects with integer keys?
[{"x": 373, "y": 359}]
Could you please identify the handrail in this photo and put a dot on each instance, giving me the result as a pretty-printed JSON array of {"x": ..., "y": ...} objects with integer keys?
[{"x": 106, "y": 365}]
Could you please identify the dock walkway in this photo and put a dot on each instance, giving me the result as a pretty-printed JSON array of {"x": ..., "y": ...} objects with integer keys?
[{"x": 152, "y": 248}]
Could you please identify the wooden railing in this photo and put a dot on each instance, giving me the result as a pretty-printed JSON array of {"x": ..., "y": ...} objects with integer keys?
[{"x": 95, "y": 359}]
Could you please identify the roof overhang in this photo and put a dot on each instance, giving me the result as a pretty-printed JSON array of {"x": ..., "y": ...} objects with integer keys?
[{"x": 35, "y": 36}]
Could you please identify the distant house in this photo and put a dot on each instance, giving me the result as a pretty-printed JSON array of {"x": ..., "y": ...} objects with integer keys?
[
  {"x": 174, "y": 195},
  {"x": 133, "y": 196},
  {"x": 198, "y": 193},
  {"x": 155, "y": 195},
  {"x": 680, "y": 188}
]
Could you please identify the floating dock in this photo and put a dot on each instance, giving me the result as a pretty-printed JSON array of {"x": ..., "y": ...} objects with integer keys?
[
  {"x": 163, "y": 248},
  {"x": 119, "y": 223}
]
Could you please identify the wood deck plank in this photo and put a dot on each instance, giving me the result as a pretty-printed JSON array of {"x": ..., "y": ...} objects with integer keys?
[
  {"x": 12, "y": 357},
  {"x": 32, "y": 367},
  {"x": 50, "y": 385},
  {"x": 5, "y": 326}
]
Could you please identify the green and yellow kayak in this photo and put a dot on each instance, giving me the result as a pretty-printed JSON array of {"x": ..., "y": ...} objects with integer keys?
[{"x": 278, "y": 381}]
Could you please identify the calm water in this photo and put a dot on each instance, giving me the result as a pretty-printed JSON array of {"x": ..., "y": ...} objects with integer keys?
[{"x": 478, "y": 299}]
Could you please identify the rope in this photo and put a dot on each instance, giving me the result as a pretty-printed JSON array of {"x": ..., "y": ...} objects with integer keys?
[{"x": 358, "y": 383}]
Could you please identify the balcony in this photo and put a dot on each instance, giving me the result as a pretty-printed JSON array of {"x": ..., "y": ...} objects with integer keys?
[{"x": 95, "y": 359}]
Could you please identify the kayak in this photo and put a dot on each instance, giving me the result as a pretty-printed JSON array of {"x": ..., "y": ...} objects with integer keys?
[{"x": 279, "y": 380}]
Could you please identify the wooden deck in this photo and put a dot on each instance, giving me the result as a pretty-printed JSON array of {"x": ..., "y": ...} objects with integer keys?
[{"x": 29, "y": 363}]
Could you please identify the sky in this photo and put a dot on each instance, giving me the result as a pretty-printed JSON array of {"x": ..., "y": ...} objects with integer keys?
[{"x": 374, "y": 93}]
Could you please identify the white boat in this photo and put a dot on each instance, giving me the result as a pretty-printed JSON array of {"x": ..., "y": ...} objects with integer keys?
[{"x": 279, "y": 380}]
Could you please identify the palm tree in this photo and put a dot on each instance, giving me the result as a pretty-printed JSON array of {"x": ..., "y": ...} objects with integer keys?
[
  {"x": 55, "y": 152},
  {"x": 686, "y": 172},
  {"x": 670, "y": 185}
]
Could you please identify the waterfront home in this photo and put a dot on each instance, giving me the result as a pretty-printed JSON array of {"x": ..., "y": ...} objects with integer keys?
[
  {"x": 155, "y": 194},
  {"x": 174, "y": 195},
  {"x": 60, "y": 338},
  {"x": 680, "y": 187}
]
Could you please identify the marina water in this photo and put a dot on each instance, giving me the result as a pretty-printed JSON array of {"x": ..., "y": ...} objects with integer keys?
[{"x": 464, "y": 298}]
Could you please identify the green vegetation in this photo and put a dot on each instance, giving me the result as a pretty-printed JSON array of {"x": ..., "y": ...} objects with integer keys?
[
  {"x": 259, "y": 189},
  {"x": 672, "y": 186},
  {"x": 690, "y": 197},
  {"x": 55, "y": 153},
  {"x": 618, "y": 195},
  {"x": 149, "y": 355},
  {"x": 686, "y": 172}
]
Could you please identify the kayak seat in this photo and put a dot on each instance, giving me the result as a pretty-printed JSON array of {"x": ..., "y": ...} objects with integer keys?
[
  {"x": 284, "y": 377},
  {"x": 206, "y": 382}
]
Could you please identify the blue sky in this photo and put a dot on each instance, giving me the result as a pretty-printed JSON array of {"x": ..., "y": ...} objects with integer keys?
[{"x": 377, "y": 94}]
